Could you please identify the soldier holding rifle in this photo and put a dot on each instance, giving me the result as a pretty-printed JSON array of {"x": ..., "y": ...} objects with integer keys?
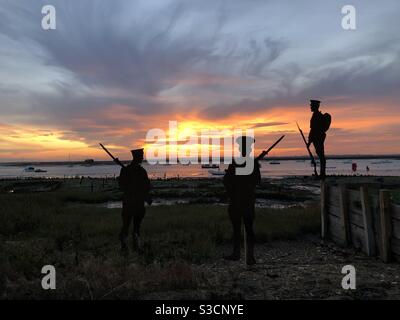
[
  {"x": 135, "y": 184},
  {"x": 319, "y": 125},
  {"x": 241, "y": 193}
]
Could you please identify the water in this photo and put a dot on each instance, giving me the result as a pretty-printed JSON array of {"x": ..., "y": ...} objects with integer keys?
[{"x": 377, "y": 167}]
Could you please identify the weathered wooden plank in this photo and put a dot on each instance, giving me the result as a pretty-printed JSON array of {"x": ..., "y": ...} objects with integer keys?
[
  {"x": 370, "y": 244},
  {"x": 335, "y": 229},
  {"x": 358, "y": 238},
  {"x": 335, "y": 222},
  {"x": 376, "y": 222},
  {"x": 395, "y": 229},
  {"x": 396, "y": 246},
  {"x": 356, "y": 219},
  {"x": 353, "y": 195},
  {"x": 336, "y": 239},
  {"x": 374, "y": 199},
  {"x": 333, "y": 198},
  {"x": 395, "y": 211},
  {"x": 376, "y": 226},
  {"x": 335, "y": 211},
  {"x": 376, "y": 218},
  {"x": 324, "y": 209},
  {"x": 344, "y": 212},
  {"x": 355, "y": 207},
  {"x": 386, "y": 224}
]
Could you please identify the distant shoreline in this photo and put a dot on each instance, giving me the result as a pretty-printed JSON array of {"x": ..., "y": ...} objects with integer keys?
[{"x": 109, "y": 162}]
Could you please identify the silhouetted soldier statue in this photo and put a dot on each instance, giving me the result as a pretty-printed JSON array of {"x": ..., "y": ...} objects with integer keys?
[
  {"x": 320, "y": 124},
  {"x": 241, "y": 192},
  {"x": 135, "y": 184}
]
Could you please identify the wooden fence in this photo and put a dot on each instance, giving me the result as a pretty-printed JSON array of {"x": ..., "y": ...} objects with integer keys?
[{"x": 362, "y": 216}]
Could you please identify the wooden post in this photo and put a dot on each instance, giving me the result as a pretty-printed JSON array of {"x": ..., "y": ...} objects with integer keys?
[
  {"x": 324, "y": 212},
  {"x": 367, "y": 218},
  {"x": 245, "y": 244},
  {"x": 386, "y": 224},
  {"x": 344, "y": 214}
]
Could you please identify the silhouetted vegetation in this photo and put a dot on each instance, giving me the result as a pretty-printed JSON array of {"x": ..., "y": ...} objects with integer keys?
[{"x": 81, "y": 241}]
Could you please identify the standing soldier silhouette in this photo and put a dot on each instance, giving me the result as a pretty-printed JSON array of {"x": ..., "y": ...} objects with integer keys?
[
  {"x": 320, "y": 124},
  {"x": 241, "y": 193},
  {"x": 135, "y": 184}
]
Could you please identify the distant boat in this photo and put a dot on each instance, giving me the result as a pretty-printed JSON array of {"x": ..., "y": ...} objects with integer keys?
[
  {"x": 29, "y": 169},
  {"x": 210, "y": 166},
  {"x": 88, "y": 162},
  {"x": 216, "y": 172},
  {"x": 274, "y": 162},
  {"x": 382, "y": 162},
  {"x": 40, "y": 170}
]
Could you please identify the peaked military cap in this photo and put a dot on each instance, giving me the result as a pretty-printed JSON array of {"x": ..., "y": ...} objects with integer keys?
[
  {"x": 245, "y": 140},
  {"x": 137, "y": 152}
]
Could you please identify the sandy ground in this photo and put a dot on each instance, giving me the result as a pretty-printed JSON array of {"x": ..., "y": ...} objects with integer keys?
[{"x": 303, "y": 269}]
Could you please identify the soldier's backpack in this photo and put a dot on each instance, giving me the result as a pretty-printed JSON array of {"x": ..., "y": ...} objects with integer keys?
[{"x": 327, "y": 121}]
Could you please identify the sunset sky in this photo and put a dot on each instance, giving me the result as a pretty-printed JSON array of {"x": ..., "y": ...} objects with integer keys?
[{"x": 112, "y": 70}]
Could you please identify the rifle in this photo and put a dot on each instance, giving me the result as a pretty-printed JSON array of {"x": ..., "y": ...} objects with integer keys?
[
  {"x": 314, "y": 163},
  {"x": 116, "y": 160},
  {"x": 264, "y": 153}
]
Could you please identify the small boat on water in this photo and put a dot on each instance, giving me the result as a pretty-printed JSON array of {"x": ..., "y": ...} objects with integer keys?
[
  {"x": 382, "y": 162},
  {"x": 88, "y": 162},
  {"x": 32, "y": 169},
  {"x": 216, "y": 172},
  {"x": 274, "y": 162},
  {"x": 210, "y": 166}
]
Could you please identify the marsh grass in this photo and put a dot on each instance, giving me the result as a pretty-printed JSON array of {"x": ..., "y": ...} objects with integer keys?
[
  {"x": 82, "y": 243},
  {"x": 396, "y": 197}
]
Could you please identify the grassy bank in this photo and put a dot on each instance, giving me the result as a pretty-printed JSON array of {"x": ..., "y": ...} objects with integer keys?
[{"x": 81, "y": 241}]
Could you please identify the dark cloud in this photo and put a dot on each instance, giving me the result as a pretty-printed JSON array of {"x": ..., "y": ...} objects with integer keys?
[
  {"x": 146, "y": 58},
  {"x": 268, "y": 124}
]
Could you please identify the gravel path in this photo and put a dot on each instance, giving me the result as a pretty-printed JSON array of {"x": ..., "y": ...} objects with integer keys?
[{"x": 301, "y": 269}]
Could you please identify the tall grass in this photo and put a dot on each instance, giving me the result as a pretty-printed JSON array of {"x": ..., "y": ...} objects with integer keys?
[{"x": 82, "y": 243}]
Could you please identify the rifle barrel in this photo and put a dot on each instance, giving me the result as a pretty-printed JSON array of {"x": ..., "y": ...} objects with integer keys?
[
  {"x": 117, "y": 161},
  {"x": 309, "y": 151},
  {"x": 264, "y": 153}
]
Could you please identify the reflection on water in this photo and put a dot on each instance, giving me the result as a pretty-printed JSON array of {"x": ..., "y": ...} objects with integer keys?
[
  {"x": 260, "y": 203},
  {"x": 118, "y": 204}
]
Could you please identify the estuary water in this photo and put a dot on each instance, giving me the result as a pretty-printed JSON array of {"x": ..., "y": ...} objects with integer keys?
[{"x": 283, "y": 168}]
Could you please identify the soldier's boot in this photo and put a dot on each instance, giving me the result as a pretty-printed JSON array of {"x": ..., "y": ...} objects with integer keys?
[
  {"x": 124, "y": 246},
  {"x": 235, "y": 256},
  {"x": 137, "y": 243},
  {"x": 250, "y": 260}
]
